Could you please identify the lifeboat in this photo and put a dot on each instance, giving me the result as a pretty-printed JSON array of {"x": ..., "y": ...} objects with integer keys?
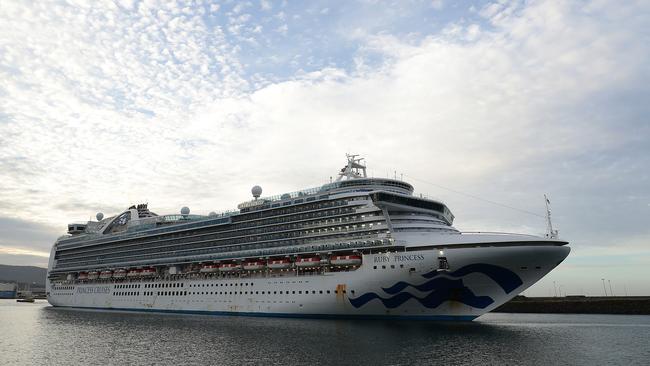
[
  {"x": 106, "y": 275},
  {"x": 254, "y": 265},
  {"x": 279, "y": 263},
  {"x": 229, "y": 267},
  {"x": 93, "y": 275},
  {"x": 133, "y": 273},
  {"x": 346, "y": 260},
  {"x": 308, "y": 262},
  {"x": 83, "y": 276},
  {"x": 148, "y": 272},
  {"x": 120, "y": 273},
  {"x": 209, "y": 268}
]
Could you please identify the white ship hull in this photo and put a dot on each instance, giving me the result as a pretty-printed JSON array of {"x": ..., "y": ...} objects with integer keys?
[{"x": 405, "y": 284}]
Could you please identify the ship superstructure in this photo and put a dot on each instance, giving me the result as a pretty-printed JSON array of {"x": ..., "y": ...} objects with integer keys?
[{"x": 358, "y": 246}]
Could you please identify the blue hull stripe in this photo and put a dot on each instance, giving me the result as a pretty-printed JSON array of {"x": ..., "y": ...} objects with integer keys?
[{"x": 464, "y": 318}]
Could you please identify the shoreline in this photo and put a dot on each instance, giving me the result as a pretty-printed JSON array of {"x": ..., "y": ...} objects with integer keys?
[{"x": 625, "y": 305}]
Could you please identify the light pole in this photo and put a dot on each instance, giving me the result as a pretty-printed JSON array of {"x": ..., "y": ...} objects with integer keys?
[
  {"x": 611, "y": 293},
  {"x": 560, "y": 290},
  {"x": 554, "y": 289},
  {"x": 604, "y": 288}
]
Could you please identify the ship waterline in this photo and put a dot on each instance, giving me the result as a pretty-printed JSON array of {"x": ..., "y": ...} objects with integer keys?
[{"x": 358, "y": 247}]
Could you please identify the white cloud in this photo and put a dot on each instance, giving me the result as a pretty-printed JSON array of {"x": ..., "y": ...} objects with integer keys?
[
  {"x": 437, "y": 4},
  {"x": 23, "y": 251},
  {"x": 282, "y": 29},
  {"x": 102, "y": 108}
]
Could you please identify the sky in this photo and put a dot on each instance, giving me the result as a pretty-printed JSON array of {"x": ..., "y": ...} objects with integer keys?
[{"x": 105, "y": 104}]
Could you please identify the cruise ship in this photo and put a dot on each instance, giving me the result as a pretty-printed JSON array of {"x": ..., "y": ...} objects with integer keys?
[{"x": 357, "y": 247}]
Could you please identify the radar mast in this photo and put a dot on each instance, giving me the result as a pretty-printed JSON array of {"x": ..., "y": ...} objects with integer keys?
[
  {"x": 550, "y": 232},
  {"x": 354, "y": 169}
]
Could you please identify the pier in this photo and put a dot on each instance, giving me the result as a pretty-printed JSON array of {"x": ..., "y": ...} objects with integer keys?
[{"x": 628, "y": 305}]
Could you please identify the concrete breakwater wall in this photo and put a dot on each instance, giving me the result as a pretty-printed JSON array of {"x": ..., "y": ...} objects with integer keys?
[{"x": 630, "y": 305}]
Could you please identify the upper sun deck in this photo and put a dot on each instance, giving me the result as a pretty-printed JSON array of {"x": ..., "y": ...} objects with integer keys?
[
  {"x": 356, "y": 185},
  {"x": 352, "y": 178}
]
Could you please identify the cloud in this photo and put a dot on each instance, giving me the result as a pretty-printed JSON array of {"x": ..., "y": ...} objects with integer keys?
[
  {"x": 26, "y": 238},
  {"x": 266, "y": 5},
  {"x": 25, "y": 252},
  {"x": 103, "y": 107}
]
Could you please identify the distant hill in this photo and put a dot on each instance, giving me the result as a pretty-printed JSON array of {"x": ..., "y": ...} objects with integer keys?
[{"x": 23, "y": 274}]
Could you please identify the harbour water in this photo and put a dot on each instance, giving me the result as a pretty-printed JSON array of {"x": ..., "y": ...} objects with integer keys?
[{"x": 39, "y": 334}]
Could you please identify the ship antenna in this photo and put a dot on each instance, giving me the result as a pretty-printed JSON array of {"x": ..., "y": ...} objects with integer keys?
[
  {"x": 550, "y": 233},
  {"x": 353, "y": 169}
]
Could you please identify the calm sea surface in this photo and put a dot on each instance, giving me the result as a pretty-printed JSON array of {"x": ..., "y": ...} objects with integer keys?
[{"x": 39, "y": 334}]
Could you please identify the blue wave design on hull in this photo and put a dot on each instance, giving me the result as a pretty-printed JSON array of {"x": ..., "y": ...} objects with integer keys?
[
  {"x": 427, "y": 286},
  {"x": 445, "y": 290},
  {"x": 505, "y": 278}
]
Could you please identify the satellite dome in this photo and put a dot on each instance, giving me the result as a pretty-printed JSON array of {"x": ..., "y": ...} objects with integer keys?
[
  {"x": 185, "y": 210},
  {"x": 99, "y": 216},
  {"x": 285, "y": 196},
  {"x": 256, "y": 191},
  {"x": 212, "y": 214}
]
